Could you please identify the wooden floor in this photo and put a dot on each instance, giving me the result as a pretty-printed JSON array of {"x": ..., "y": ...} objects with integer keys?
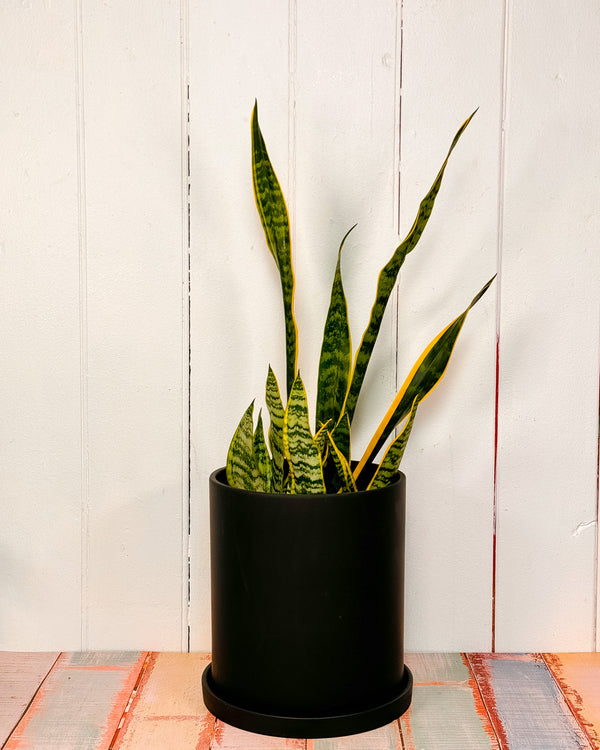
[{"x": 146, "y": 700}]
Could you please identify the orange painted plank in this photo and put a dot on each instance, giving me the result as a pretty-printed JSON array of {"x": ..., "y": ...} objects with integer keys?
[
  {"x": 167, "y": 710},
  {"x": 447, "y": 710},
  {"x": 21, "y": 674},
  {"x": 80, "y": 703},
  {"x": 578, "y": 676},
  {"x": 525, "y": 704}
]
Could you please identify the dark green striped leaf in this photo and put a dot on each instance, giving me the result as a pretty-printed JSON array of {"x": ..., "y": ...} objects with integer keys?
[
  {"x": 341, "y": 436},
  {"x": 346, "y": 480},
  {"x": 240, "y": 469},
  {"x": 300, "y": 448},
  {"x": 275, "y": 220},
  {"x": 422, "y": 379},
  {"x": 262, "y": 460},
  {"x": 387, "y": 280},
  {"x": 336, "y": 352},
  {"x": 276, "y": 411},
  {"x": 390, "y": 463}
]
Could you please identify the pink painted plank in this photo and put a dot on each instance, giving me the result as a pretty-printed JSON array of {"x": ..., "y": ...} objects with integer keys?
[
  {"x": 447, "y": 710},
  {"x": 525, "y": 704},
  {"x": 167, "y": 710},
  {"x": 21, "y": 674},
  {"x": 578, "y": 676},
  {"x": 80, "y": 703},
  {"x": 384, "y": 738},
  {"x": 230, "y": 738}
]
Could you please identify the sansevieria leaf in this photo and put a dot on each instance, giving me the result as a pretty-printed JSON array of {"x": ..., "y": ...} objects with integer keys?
[
  {"x": 341, "y": 436},
  {"x": 300, "y": 448},
  {"x": 390, "y": 462},
  {"x": 262, "y": 460},
  {"x": 276, "y": 411},
  {"x": 387, "y": 280},
  {"x": 422, "y": 379},
  {"x": 342, "y": 466},
  {"x": 240, "y": 468},
  {"x": 336, "y": 353},
  {"x": 275, "y": 220}
]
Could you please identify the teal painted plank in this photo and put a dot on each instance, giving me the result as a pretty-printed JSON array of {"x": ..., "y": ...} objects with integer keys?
[
  {"x": 21, "y": 674},
  {"x": 525, "y": 704},
  {"x": 447, "y": 711},
  {"x": 384, "y": 738},
  {"x": 80, "y": 704}
]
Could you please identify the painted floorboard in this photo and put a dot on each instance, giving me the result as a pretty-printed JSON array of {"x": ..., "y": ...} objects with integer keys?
[
  {"x": 384, "y": 738},
  {"x": 80, "y": 703},
  {"x": 167, "y": 710},
  {"x": 229, "y": 738},
  {"x": 525, "y": 704},
  {"x": 447, "y": 712},
  {"x": 21, "y": 674},
  {"x": 578, "y": 676}
]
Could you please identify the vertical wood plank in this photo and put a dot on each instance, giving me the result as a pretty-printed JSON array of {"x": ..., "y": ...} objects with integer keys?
[
  {"x": 451, "y": 64},
  {"x": 578, "y": 676},
  {"x": 549, "y": 332},
  {"x": 80, "y": 704},
  {"x": 524, "y": 702},
  {"x": 447, "y": 710},
  {"x": 137, "y": 357},
  {"x": 40, "y": 440},
  {"x": 383, "y": 738},
  {"x": 238, "y": 52},
  {"x": 168, "y": 711},
  {"x": 345, "y": 173},
  {"x": 21, "y": 674},
  {"x": 231, "y": 738}
]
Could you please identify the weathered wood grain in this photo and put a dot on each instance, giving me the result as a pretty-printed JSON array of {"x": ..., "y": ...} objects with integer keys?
[
  {"x": 21, "y": 674},
  {"x": 167, "y": 710},
  {"x": 525, "y": 704},
  {"x": 230, "y": 738},
  {"x": 80, "y": 703},
  {"x": 384, "y": 738},
  {"x": 578, "y": 676},
  {"x": 447, "y": 710}
]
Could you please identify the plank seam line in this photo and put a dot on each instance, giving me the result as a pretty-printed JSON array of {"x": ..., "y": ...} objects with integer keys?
[
  {"x": 567, "y": 700},
  {"x": 477, "y": 687},
  {"x": 134, "y": 692},
  {"x": 33, "y": 697}
]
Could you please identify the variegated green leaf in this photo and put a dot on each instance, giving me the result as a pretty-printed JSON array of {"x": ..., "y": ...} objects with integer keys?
[
  {"x": 342, "y": 465},
  {"x": 321, "y": 437},
  {"x": 336, "y": 352},
  {"x": 422, "y": 379},
  {"x": 387, "y": 280},
  {"x": 390, "y": 463},
  {"x": 341, "y": 435},
  {"x": 300, "y": 448},
  {"x": 275, "y": 220},
  {"x": 262, "y": 460},
  {"x": 276, "y": 411},
  {"x": 240, "y": 469}
]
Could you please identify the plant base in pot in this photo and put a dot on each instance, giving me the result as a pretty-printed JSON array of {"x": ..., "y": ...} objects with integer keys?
[{"x": 307, "y": 610}]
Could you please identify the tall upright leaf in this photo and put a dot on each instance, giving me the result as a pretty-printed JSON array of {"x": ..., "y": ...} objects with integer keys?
[
  {"x": 240, "y": 468},
  {"x": 276, "y": 411},
  {"x": 344, "y": 472},
  {"x": 390, "y": 462},
  {"x": 422, "y": 379},
  {"x": 275, "y": 220},
  {"x": 301, "y": 450},
  {"x": 336, "y": 352},
  {"x": 387, "y": 280},
  {"x": 262, "y": 461}
]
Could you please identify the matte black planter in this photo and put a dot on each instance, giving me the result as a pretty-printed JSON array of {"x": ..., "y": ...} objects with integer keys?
[{"x": 307, "y": 611}]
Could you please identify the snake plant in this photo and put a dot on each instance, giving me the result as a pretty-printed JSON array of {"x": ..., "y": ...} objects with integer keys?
[{"x": 294, "y": 458}]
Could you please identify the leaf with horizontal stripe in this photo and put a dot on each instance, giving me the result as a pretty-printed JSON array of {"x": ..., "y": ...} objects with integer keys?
[
  {"x": 240, "y": 468},
  {"x": 276, "y": 411},
  {"x": 300, "y": 448},
  {"x": 390, "y": 463},
  {"x": 422, "y": 379},
  {"x": 262, "y": 460},
  {"x": 387, "y": 280},
  {"x": 275, "y": 220},
  {"x": 336, "y": 352}
]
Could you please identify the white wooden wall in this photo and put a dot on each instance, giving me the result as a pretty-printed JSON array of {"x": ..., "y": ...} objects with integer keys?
[{"x": 132, "y": 338}]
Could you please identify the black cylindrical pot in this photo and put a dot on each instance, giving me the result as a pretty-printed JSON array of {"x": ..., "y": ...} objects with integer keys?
[{"x": 307, "y": 610}]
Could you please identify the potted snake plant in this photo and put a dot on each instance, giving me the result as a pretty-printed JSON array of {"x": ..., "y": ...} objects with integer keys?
[{"x": 307, "y": 544}]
